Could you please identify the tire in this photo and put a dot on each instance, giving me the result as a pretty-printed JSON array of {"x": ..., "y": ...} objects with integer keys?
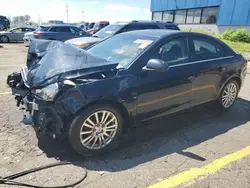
[
  {"x": 4, "y": 39},
  {"x": 80, "y": 142},
  {"x": 221, "y": 101}
]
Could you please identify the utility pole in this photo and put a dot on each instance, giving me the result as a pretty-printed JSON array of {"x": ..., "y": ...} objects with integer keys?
[
  {"x": 67, "y": 13},
  {"x": 82, "y": 15}
]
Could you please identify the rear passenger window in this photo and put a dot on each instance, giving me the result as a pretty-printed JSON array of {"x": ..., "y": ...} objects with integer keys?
[
  {"x": 204, "y": 50},
  {"x": 60, "y": 29}
]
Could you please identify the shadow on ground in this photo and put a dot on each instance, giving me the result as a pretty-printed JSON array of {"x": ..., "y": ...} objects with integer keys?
[{"x": 157, "y": 138}]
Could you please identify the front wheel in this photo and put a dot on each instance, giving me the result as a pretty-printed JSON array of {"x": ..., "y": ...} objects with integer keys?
[
  {"x": 96, "y": 130},
  {"x": 228, "y": 95},
  {"x": 4, "y": 39}
]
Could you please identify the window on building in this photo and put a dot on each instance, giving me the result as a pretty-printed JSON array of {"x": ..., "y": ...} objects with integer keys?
[
  {"x": 180, "y": 16},
  {"x": 168, "y": 16},
  {"x": 157, "y": 16},
  {"x": 193, "y": 16},
  {"x": 209, "y": 15}
]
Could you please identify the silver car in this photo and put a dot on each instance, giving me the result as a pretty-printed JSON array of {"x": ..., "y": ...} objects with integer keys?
[{"x": 14, "y": 35}]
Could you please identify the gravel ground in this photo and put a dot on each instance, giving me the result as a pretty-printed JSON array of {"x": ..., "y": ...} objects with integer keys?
[{"x": 148, "y": 155}]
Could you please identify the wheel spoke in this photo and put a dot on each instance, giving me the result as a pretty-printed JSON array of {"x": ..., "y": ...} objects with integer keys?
[
  {"x": 225, "y": 101},
  {"x": 96, "y": 117},
  {"x": 105, "y": 119},
  {"x": 110, "y": 121},
  {"x": 85, "y": 132},
  {"x": 103, "y": 116},
  {"x": 87, "y": 125},
  {"x": 96, "y": 138},
  {"x": 89, "y": 121},
  {"x": 100, "y": 141},
  {"x": 86, "y": 139},
  {"x": 112, "y": 126},
  {"x": 110, "y": 130}
]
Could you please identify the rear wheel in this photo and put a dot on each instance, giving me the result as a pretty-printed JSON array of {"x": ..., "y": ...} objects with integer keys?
[
  {"x": 4, "y": 39},
  {"x": 228, "y": 95},
  {"x": 96, "y": 130}
]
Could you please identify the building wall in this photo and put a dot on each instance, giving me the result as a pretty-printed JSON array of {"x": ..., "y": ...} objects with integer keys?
[
  {"x": 212, "y": 28},
  {"x": 231, "y": 12},
  {"x": 161, "y": 5}
]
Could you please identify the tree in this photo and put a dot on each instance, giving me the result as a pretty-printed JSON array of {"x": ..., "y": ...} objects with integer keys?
[{"x": 27, "y": 18}]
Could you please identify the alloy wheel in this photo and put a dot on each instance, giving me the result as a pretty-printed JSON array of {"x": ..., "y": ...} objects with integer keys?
[
  {"x": 98, "y": 130},
  {"x": 229, "y": 95},
  {"x": 4, "y": 39}
]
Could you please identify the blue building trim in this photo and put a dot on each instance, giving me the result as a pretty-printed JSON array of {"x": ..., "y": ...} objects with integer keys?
[{"x": 231, "y": 12}]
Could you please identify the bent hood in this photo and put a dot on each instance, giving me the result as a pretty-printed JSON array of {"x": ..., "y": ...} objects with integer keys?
[{"x": 60, "y": 59}]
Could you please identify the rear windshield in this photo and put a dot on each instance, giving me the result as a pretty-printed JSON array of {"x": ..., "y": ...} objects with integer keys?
[
  {"x": 172, "y": 27},
  {"x": 42, "y": 28}
]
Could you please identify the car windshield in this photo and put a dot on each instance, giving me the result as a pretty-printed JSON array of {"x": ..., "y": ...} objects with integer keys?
[
  {"x": 108, "y": 31},
  {"x": 121, "y": 48}
]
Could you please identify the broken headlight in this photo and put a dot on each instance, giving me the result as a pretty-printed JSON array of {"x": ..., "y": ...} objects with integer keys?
[{"x": 48, "y": 93}]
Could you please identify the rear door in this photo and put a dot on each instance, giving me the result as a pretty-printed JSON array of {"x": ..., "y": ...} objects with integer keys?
[{"x": 206, "y": 56}]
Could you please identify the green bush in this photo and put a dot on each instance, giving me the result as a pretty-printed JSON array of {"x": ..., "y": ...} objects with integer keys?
[{"x": 240, "y": 35}]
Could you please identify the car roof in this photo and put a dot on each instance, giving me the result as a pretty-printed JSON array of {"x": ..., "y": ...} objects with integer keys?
[
  {"x": 58, "y": 25},
  {"x": 159, "y": 33},
  {"x": 145, "y": 22}
]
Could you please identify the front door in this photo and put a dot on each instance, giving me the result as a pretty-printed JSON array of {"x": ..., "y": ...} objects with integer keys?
[
  {"x": 17, "y": 35},
  {"x": 161, "y": 93}
]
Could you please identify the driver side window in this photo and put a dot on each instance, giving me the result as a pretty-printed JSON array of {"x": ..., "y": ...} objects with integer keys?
[
  {"x": 17, "y": 30},
  {"x": 173, "y": 52}
]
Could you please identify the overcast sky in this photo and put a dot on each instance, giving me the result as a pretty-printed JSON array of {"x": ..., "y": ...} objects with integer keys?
[{"x": 110, "y": 10}]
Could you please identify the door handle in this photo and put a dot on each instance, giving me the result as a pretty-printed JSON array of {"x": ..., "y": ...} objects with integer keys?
[
  {"x": 191, "y": 78},
  {"x": 221, "y": 69}
]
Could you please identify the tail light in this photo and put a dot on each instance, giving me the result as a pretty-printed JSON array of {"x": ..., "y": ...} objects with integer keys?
[
  {"x": 38, "y": 34},
  {"x": 245, "y": 62}
]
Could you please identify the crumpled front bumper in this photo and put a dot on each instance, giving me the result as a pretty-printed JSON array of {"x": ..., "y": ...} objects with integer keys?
[{"x": 50, "y": 117}]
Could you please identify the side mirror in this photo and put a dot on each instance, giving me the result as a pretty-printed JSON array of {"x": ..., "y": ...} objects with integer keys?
[
  {"x": 11, "y": 31},
  {"x": 156, "y": 65}
]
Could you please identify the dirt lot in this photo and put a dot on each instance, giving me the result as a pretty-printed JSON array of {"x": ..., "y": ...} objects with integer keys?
[{"x": 150, "y": 154}]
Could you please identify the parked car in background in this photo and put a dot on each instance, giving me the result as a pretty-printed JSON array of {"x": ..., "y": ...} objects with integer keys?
[
  {"x": 120, "y": 27},
  {"x": 91, "y": 25},
  {"x": 98, "y": 26},
  {"x": 14, "y": 35},
  {"x": 92, "y": 97},
  {"x": 4, "y": 23},
  {"x": 55, "y": 22},
  {"x": 59, "y": 32}
]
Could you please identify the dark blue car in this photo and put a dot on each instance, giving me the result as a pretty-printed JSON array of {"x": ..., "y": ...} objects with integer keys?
[
  {"x": 59, "y": 32},
  {"x": 92, "y": 96}
]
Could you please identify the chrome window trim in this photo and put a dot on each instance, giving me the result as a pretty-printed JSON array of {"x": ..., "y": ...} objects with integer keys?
[{"x": 202, "y": 61}]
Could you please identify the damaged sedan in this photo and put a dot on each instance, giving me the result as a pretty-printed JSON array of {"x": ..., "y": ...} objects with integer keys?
[{"x": 91, "y": 97}]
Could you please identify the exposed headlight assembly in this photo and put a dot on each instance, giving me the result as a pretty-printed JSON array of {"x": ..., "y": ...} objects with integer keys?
[{"x": 48, "y": 93}]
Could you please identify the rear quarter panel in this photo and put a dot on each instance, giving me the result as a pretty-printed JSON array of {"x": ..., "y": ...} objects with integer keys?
[{"x": 234, "y": 69}]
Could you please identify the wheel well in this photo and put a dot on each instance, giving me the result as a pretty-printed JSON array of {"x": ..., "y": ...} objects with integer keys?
[
  {"x": 238, "y": 80},
  {"x": 4, "y": 36},
  {"x": 116, "y": 105}
]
